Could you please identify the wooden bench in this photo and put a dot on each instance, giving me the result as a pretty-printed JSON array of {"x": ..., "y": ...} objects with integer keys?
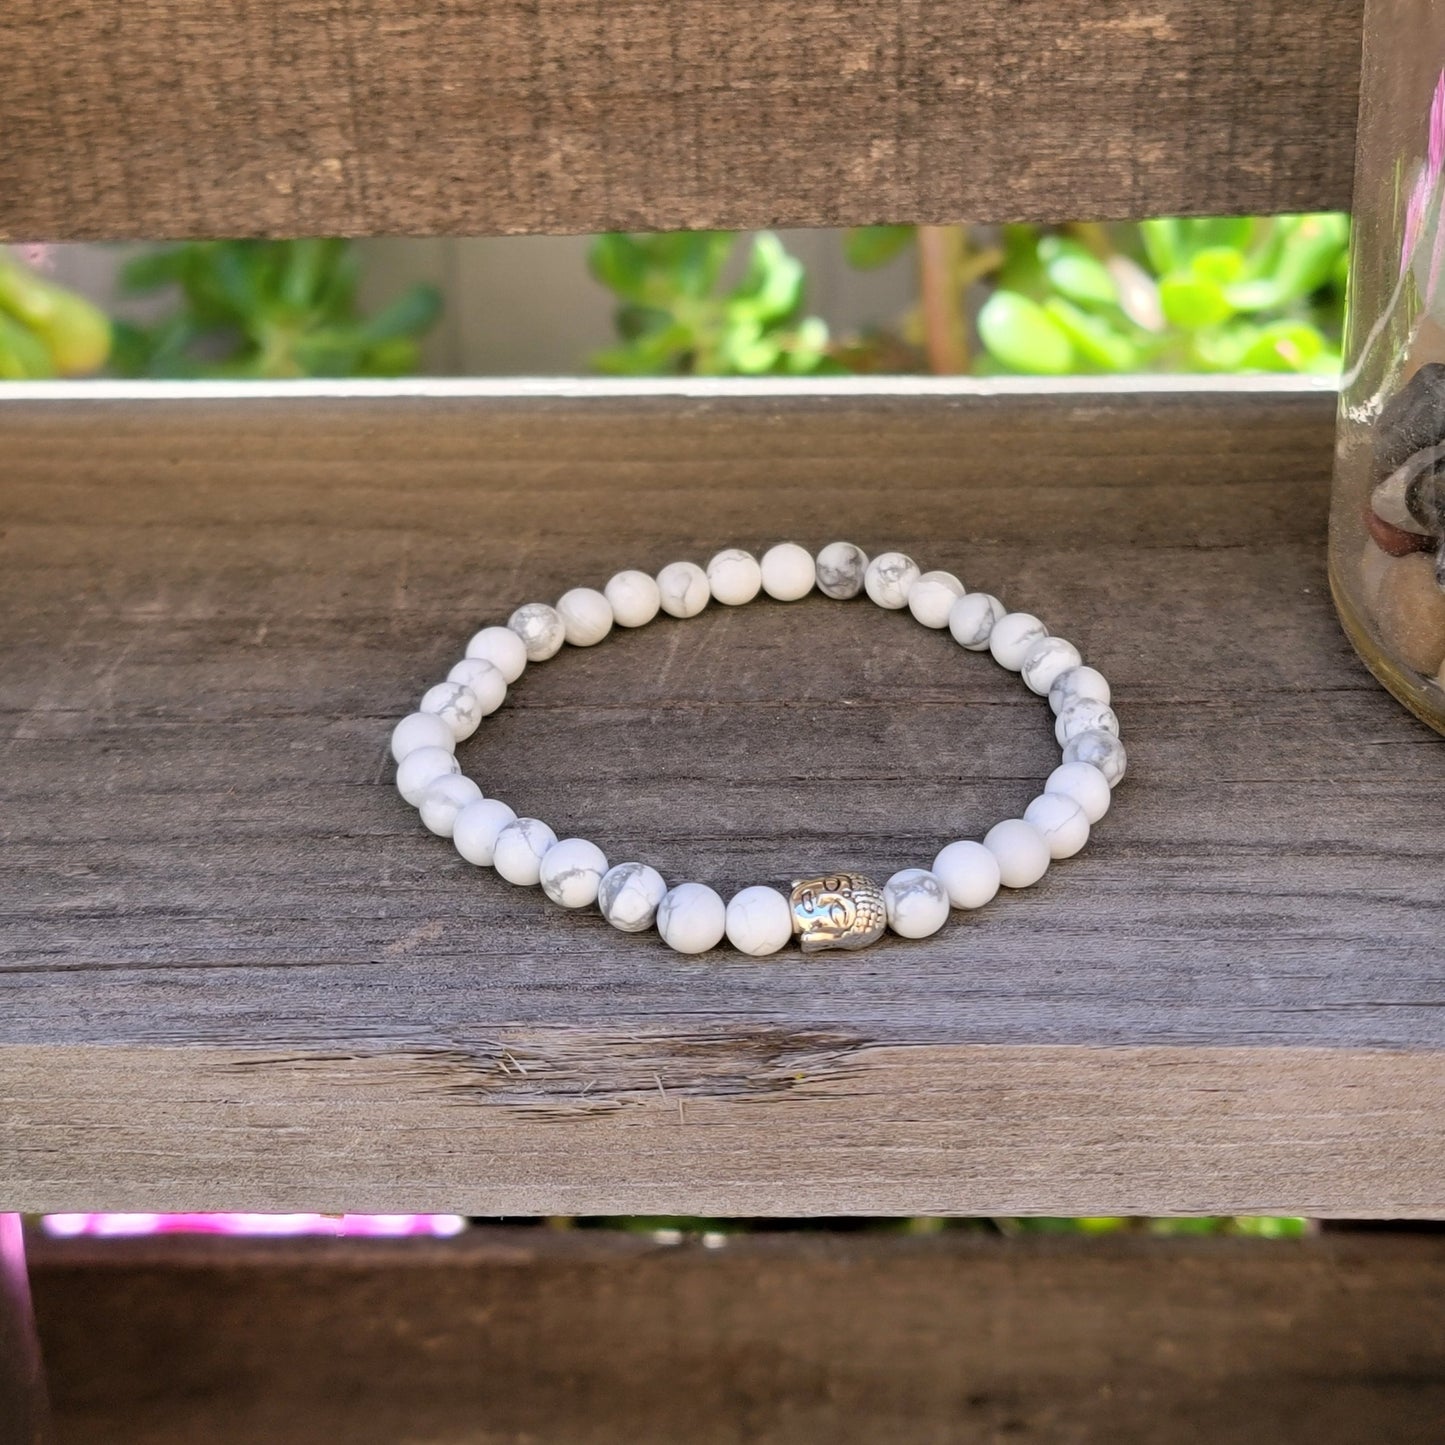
[{"x": 237, "y": 975}]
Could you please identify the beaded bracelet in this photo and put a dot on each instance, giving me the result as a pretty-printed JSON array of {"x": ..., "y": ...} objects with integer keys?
[{"x": 844, "y": 910}]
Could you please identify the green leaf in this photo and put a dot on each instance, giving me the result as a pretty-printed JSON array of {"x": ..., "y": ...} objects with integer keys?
[
  {"x": 1022, "y": 270},
  {"x": 1223, "y": 348},
  {"x": 304, "y": 268},
  {"x": 1208, "y": 232},
  {"x": 410, "y": 315},
  {"x": 23, "y": 355},
  {"x": 1312, "y": 247},
  {"x": 1272, "y": 1226},
  {"x": 807, "y": 351},
  {"x": 868, "y": 247},
  {"x": 1023, "y": 337},
  {"x": 1284, "y": 346},
  {"x": 772, "y": 289},
  {"x": 693, "y": 260},
  {"x": 620, "y": 264},
  {"x": 1077, "y": 273},
  {"x": 1192, "y": 303},
  {"x": 152, "y": 269},
  {"x": 238, "y": 278},
  {"x": 1221, "y": 264},
  {"x": 635, "y": 321},
  {"x": 1261, "y": 295},
  {"x": 1096, "y": 342},
  {"x": 398, "y": 356},
  {"x": 1163, "y": 244}
]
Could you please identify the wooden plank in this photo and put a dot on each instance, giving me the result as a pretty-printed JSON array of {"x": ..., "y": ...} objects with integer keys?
[
  {"x": 24, "y": 1411},
  {"x": 236, "y": 973},
  {"x": 156, "y": 118},
  {"x": 525, "y": 1335}
]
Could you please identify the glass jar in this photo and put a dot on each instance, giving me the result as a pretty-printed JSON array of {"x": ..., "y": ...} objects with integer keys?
[{"x": 1387, "y": 518}]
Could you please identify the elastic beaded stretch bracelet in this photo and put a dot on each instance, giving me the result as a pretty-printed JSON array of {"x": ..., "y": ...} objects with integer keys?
[{"x": 844, "y": 910}]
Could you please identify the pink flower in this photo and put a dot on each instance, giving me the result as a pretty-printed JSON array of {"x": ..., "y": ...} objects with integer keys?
[
  {"x": 36, "y": 255},
  {"x": 1422, "y": 193},
  {"x": 351, "y": 1225}
]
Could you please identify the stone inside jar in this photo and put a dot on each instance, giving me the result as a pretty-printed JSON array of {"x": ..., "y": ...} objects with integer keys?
[{"x": 1403, "y": 569}]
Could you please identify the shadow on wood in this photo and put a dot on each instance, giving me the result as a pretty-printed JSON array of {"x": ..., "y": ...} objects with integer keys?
[
  {"x": 587, "y": 1339},
  {"x": 24, "y": 1411}
]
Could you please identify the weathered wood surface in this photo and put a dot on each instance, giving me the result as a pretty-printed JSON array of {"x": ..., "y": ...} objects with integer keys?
[
  {"x": 591, "y": 1340},
  {"x": 237, "y": 973},
  {"x": 151, "y": 118}
]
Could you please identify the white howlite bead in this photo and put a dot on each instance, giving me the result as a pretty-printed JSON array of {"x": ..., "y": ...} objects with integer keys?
[
  {"x": 931, "y": 598},
  {"x": 789, "y": 572},
  {"x": 629, "y": 894},
  {"x": 420, "y": 730},
  {"x": 572, "y": 872},
  {"x": 683, "y": 589},
  {"x": 1023, "y": 856},
  {"x": 1084, "y": 715},
  {"x": 973, "y": 618},
  {"x": 917, "y": 903},
  {"x": 759, "y": 920},
  {"x": 418, "y": 770},
  {"x": 485, "y": 681},
  {"x": 456, "y": 705},
  {"x": 691, "y": 918},
  {"x": 477, "y": 827},
  {"x": 502, "y": 648},
  {"x": 634, "y": 598},
  {"x": 841, "y": 569},
  {"x": 890, "y": 578},
  {"x": 1103, "y": 750},
  {"x": 1085, "y": 784},
  {"x": 1078, "y": 682},
  {"x": 1012, "y": 636},
  {"x": 968, "y": 872},
  {"x": 1061, "y": 823},
  {"x": 444, "y": 799},
  {"x": 540, "y": 629},
  {"x": 520, "y": 847},
  {"x": 586, "y": 616},
  {"x": 734, "y": 577},
  {"x": 1045, "y": 660}
]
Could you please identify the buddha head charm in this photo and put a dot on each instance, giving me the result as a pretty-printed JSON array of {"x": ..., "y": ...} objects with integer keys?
[
  {"x": 845, "y": 910},
  {"x": 838, "y": 910}
]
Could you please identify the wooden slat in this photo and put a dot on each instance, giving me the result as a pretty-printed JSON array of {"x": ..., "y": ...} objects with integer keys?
[
  {"x": 237, "y": 973},
  {"x": 153, "y": 118},
  {"x": 602, "y": 1339}
]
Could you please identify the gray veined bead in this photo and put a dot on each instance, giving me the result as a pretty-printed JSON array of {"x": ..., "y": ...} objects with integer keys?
[
  {"x": 841, "y": 567},
  {"x": 629, "y": 895}
]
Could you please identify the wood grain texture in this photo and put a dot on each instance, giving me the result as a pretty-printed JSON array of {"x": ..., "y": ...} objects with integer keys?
[
  {"x": 157, "y": 118},
  {"x": 525, "y": 1336},
  {"x": 237, "y": 973}
]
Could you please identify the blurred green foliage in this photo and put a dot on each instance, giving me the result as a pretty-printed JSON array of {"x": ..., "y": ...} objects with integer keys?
[
  {"x": 45, "y": 330},
  {"x": 1237, "y": 294},
  {"x": 680, "y": 313},
  {"x": 267, "y": 309},
  {"x": 1235, "y": 1226}
]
